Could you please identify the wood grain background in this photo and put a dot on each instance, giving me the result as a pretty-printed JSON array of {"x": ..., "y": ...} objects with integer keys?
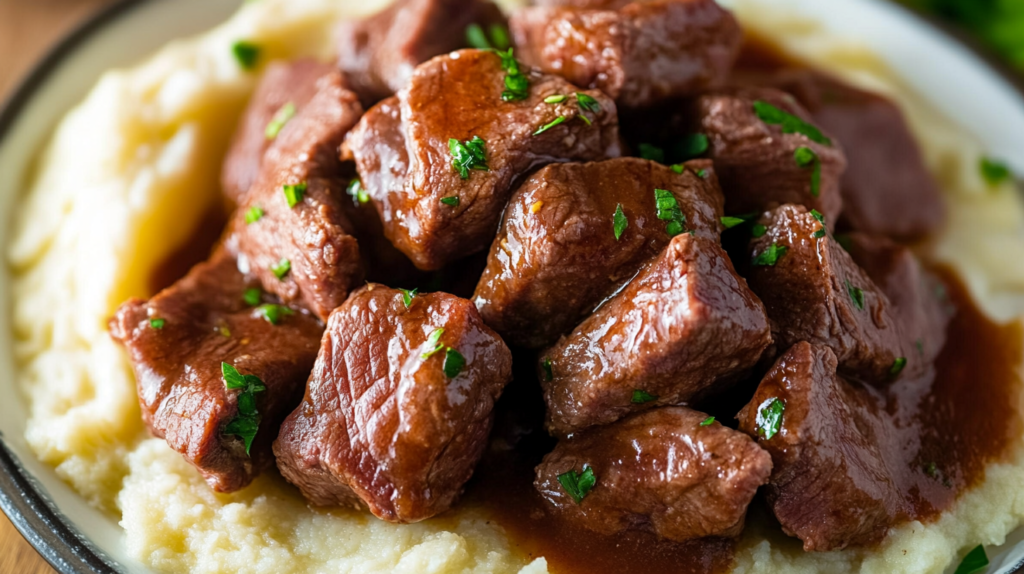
[{"x": 27, "y": 29}]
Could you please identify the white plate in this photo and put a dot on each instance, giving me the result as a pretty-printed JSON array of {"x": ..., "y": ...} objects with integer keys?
[{"x": 77, "y": 538}]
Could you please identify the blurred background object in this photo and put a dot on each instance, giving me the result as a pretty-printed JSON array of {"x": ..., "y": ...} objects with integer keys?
[{"x": 996, "y": 24}]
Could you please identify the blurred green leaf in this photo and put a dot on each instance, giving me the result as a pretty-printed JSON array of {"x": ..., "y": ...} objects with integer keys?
[{"x": 998, "y": 23}]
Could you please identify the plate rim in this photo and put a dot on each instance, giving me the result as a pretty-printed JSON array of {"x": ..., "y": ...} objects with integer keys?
[{"x": 23, "y": 499}]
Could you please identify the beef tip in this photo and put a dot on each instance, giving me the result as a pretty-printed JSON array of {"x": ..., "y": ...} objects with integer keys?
[
  {"x": 833, "y": 484},
  {"x": 814, "y": 291},
  {"x": 379, "y": 54},
  {"x": 586, "y": 4},
  {"x": 435, "y": 211},
  {"x": 685, "y": 324},
  {"x": 391, "y": 420},
  {"x": 284, "y": 89},
  {"x": 641, "y": 54},
  {"x": 887, "y": 189},
  {"x": 304, "y": 253},
  {"x": 758, "y": 161},
  {"x": 672, "y": 471},
  {"x": 556, "y": 256},
  {"x": 177, "y": 341}
]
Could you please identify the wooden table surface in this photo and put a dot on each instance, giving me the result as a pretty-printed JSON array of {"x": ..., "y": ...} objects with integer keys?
[{"x": 27, "y": 29}]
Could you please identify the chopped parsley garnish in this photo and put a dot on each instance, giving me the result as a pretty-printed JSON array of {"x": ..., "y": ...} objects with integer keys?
[
  {"x": 668, "y": 210},
  {"x": 453, "y": 363},
  {"x": 769, "y": 257},
  {"x": 556, "y": 99},
  {"x": 897, "y": 367},
  {"x": 408, "y": 295},
  {"x": 821, "y": 219},
  {"x": 678, "y": 168},
  {"x": 247, "y": 423},
  {"x": 730, "y": 222},
  {"x": 556, "y": 122},
  {"x": 254, "y": 214},
  {"x": 587, "y": 104},
  {"x": 640, "y": 397},
  {"x": 273, "y": 314},
  {"x": 281, "y": 117},
  {"x": 548, "y": 373},
  {"x": 975, "y": 561},
  {"x": 578, "y": 485},
  {"x": 702, "y": 173},
  {"x": 691, "y": 146},
  {"x": 707, "y": 422},
  {"x": 517, "y": 86},
  {"x": 932, "y": 470},
  {"x": 471, "y": 154},
  {"x": 294, "y": 193},
  {"x": 651, "y": 152},
  {"x": 807, "y": 159},
  {"x": 157, "y": 323},
  {"x": 452, "y": 200},
  {"x": 856, "y": 294},
  {"x": 994, "y": 171},
  {"x": 477, "y": 38},
  {"x": 224, "y": 331},
  {"x": 357, "y": 192},
  {"x": 619, "y": 222},
  {"x": 499, "y": 36},
  {"x": 791, "y": 124},
  {"x": 758, "y": 230},
  {"x": 252, "y": 296},
  {"x": 246, "y": 53},
  {"x": 282, "y": 269},
  {"x": 434, "y": 342},
  {"x": 769, "y": 418}
]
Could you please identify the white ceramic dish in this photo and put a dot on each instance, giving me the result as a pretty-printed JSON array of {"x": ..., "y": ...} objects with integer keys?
[{"x": 77, "y": 538}]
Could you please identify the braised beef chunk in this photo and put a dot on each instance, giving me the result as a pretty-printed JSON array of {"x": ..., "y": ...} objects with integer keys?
[
  {"x": 177, "y": 341},
  {"x": 285, "y": 88},
  {"x": 669, "y": 470},
  {"x": 441, "y": 159},
  {"x": 767, "y": 153},
  {"x": 887, "y": 189},
  {"x": 378, "y": 54},
  {"x": 640, "y": 54},
  {"x": 814, "y": 291},
  {"x": 686, "y": 323},
  {"x": 291, "y": 231},
  {"x": 562, "y": 248},
  {"x": 398, "y": 408},
  {"x": 834, "y": 484}
]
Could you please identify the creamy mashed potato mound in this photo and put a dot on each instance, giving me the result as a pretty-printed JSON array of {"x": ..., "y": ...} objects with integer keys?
[{"x": 128, "y": 176}]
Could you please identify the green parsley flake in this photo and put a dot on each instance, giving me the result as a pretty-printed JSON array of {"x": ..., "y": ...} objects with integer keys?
[
  {"x": 281, "y": 117},
  {"x": 578, "y": 485},
  {"x": 975, "y": 561},
  {"x": 517, "y": 86},
  {"x": 678, "y": 168},
  {"x": 157, "y": 323},
  {"x": 707, "y": 422},
  {"x": 408, "y": 295},
  {"x": 452, "y": 200},
  {"x": 499, "y": 37},
  {"x": 993, "y": 171},
  {"x": 254, "y": 214},
  {"x": 273, "y": 313},
  {"x": 692, "y": 146},
  {"x": 807, "y": 159},
  {"x": 791, "y": 124},
  {"x": 932, "y": 470},
  {"x": 556, "y": 99},
  {"x": 758, "y": 230},
  {"x": 640, "y": 397},
  {"x": 252, "y": 296},
  {"x": 897, "y": 367},
  {"x": 548, "y": 373},
  {"x": 434, "y": 343},
  {"x": 282, "y": 269},
  {"x": 769, "y": 418},
  {"x": 702, "y": 173},
  {"x": 730, "y": 222},
  {"x": 294, "y": 193},
  {"x": 477, "y": 38},
  {"x": 556, "y": 122},
  {"x": 619, "y": 222},
  {"x": 356, "y": 191},
  {"x": 770, "y": 256},
  {"x": 821, "y": 219},
  {"x": 668, "y": 210},
  {"x": 587, "y": 103},
  {"x": 651, "y": 152},
  {"x": 454, "y": 362},
  {"x": 247, "y": 423},
  {"x": 246, "y": 53},
  {"x": 471, "y": 154},
  {"x": 856, "y": 294}
]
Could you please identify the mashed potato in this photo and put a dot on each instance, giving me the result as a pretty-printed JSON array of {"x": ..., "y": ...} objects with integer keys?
[{"x": 131, "y": 196}]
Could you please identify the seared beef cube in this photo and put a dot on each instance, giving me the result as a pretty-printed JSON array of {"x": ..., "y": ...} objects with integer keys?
[
  {"x": 641, "y": 54},
  {"x": 831, "y": 486},
  {"x": 399, "y": 406},
  {"x": 763, "y": 155},
  {"x": 672, "y": 471},
  {"x": 557, "y": 255},
  {"x": 292, "y": 232},
  {"x": 284, "y": 89},
  {"x": 685, "y": 324},
  {"x": 177, "y": 341},
  {"x": 814, "y": 291},
  {"x": 887, "y": 189},
  {"x": 379, "y": 54},
  {"x": 441, "y": 159}
]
